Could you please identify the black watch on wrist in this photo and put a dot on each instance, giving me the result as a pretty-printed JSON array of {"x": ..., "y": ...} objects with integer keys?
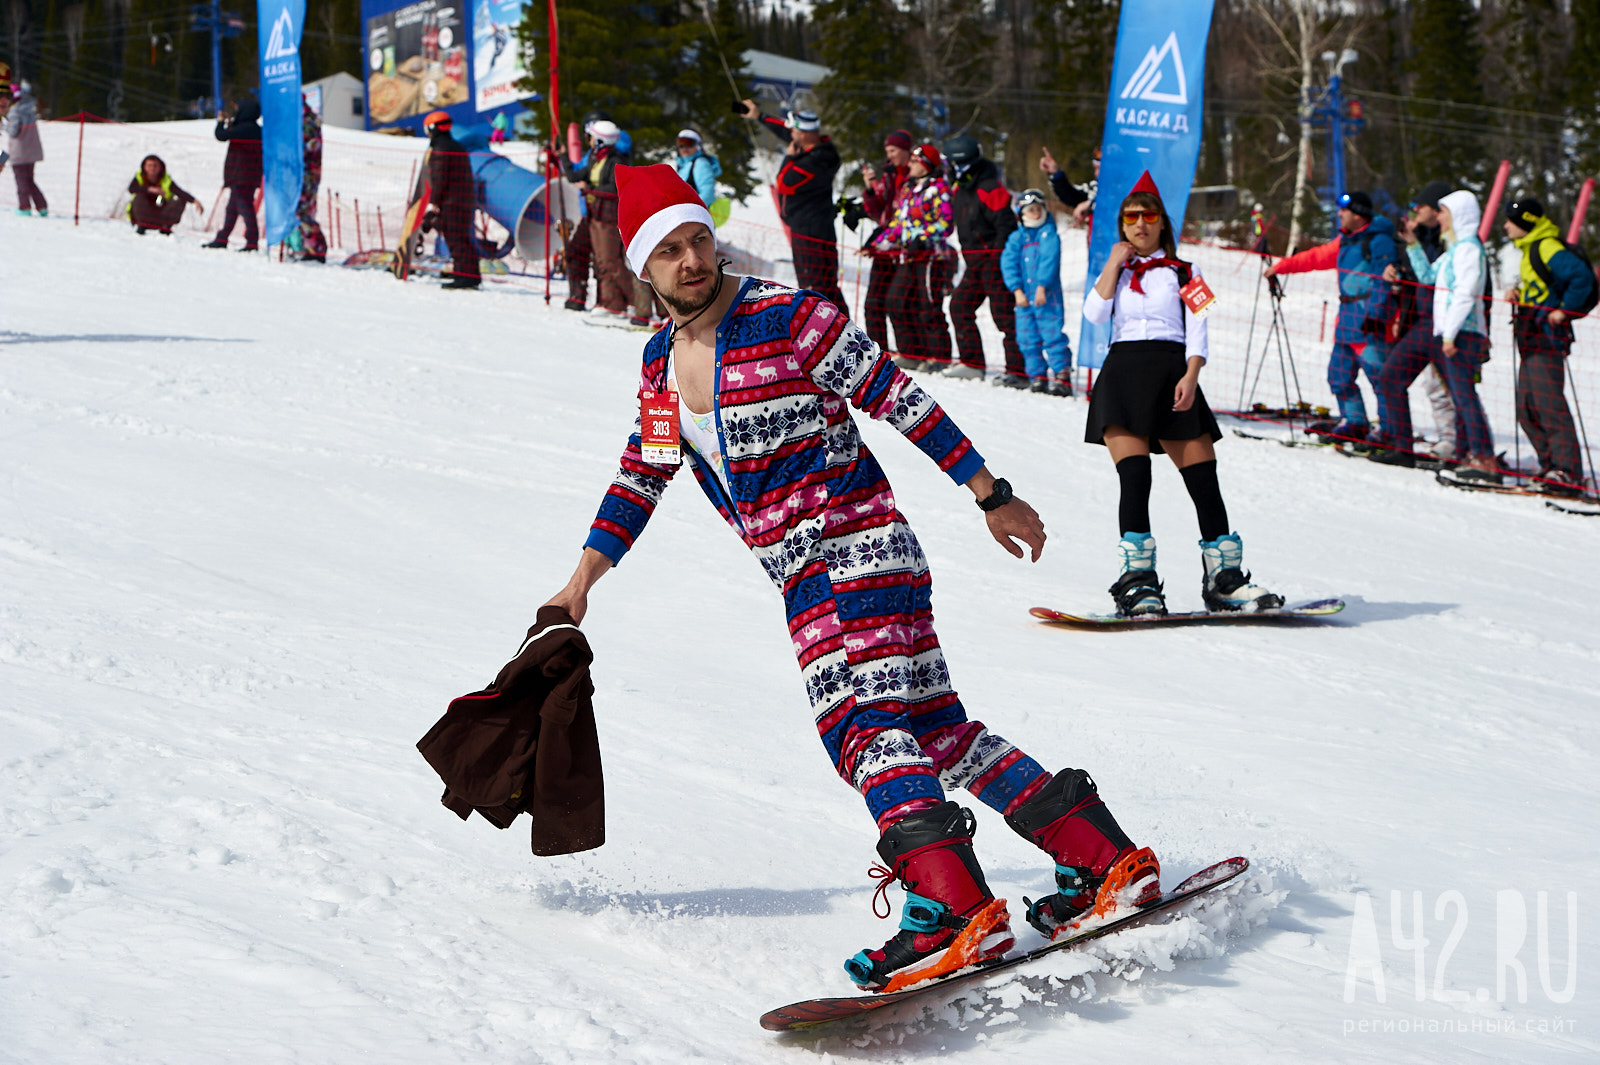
[{"x": 997, "y": 498}]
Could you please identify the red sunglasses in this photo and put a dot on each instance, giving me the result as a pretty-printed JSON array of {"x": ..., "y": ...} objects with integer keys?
[{"x": 1149, "y": 217}]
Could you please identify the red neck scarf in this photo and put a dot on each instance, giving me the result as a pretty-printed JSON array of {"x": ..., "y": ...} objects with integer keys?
[{"x": 1138, "y": 269}]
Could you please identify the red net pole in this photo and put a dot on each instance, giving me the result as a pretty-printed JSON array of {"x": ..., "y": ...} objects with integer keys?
[
  {"x": 1492, "y": 208},
  {"x": 77, "y": 187},
  {"x": 1575, "y": 230},
  {"x": 553, "y": 38},
  {"x": 358, "y": 226},
  {"x": 382, "y": 243}
]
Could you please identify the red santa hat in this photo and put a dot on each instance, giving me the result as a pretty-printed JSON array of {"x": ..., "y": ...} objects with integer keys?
[
  {"x": 652, "y": 201},
  {"x": 1146, "y": 183}
]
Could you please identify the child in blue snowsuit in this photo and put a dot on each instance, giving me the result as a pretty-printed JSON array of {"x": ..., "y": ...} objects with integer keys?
[{"x": 1031, "y": 266}]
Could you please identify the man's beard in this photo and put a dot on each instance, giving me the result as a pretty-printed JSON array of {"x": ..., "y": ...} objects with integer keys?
[{"x": 692, "y": 304}]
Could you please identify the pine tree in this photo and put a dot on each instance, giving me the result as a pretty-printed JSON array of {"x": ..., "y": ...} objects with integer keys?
[
  {"x": 1077, "y": 41},
  {"x": 655, "y": 67},
  {"x": 1447, "y": 68},
  {"x": 863, "y": 43},
  {"x": 1583, "y": 109}
]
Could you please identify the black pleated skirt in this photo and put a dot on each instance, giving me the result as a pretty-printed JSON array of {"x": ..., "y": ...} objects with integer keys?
[{"x": 1133, "y": 391}]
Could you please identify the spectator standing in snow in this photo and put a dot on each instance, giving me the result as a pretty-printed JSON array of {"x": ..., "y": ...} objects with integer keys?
[
  {"x": 983, "y": 221},
  {"x": 578, "y": 253},
  {"x": 1463, "y": 332},
  {"x": 1553, "y": 286},
  {"x": 307, "y": 237},
  {"x": 241, "y": 171},
  {"x": 23, "y": 148},
  {"x": 595, "y": 174},
  {"x": 1360, "y": 251},
  {"x": 1412, "y": 346},
  {"x": 158, "y": 203},
  {"x": 452, "y": 191},
  {"x": 805, "y": 198},
  {"x": 455, "y": 195},
  {"x": 697, "y": 168},
  {"x": 918, "y": 235},
  {"x": 877, "y": 201},
  {"x": 1031, "y": 269}
]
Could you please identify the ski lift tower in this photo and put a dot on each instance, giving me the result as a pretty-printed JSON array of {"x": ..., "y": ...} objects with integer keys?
[
  {"x": 210, "y": 18},
  {"x": 1329, "y": 108}
]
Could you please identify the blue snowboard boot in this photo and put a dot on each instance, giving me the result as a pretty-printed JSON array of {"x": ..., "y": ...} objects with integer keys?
[{"x": 1138, "y": 590}]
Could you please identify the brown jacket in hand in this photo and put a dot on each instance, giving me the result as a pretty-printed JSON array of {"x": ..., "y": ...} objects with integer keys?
[{"x": 528, "y": 743}]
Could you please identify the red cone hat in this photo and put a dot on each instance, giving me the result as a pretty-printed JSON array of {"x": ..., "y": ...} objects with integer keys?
[
  {"x": 652, "y": 201},
  {"x": 1146, "y": 183}
]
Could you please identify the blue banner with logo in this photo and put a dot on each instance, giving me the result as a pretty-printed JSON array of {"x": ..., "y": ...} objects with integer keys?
[
  {"x": 1152, "y": 123},
  {"x": 278, "y": 27}
]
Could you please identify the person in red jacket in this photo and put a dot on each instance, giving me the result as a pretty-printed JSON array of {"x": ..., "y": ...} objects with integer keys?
[{"x": 878, "y": 202}]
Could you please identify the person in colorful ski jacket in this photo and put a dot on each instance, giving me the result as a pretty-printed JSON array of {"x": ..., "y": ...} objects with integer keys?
[
  {"x": 1364, "y": 246},
  {"x": 158, "y": 203},
  {"x": 877, "y": 200},
  {"x": 758, "y": 381},
  {"x": 918, "y": 236},
  {"x": 1554, "y": 284},
  {"x": 1031, "y": 269}
]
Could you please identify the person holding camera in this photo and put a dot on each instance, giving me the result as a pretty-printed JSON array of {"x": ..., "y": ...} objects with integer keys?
[
  {"x": 241, "y": 171},
  {"x": 805, "y": 197}
]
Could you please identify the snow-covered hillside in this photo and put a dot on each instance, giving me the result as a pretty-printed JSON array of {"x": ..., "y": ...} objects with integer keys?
[{"x": 259, "y": 522}]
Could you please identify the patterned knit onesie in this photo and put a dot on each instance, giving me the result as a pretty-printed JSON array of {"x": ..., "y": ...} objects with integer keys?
[{"x": 811, "y": 502}]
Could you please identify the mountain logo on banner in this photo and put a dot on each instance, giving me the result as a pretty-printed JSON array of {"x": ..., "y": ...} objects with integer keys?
[
  {"x": 1152, "y": 73},
  {"x": 281, "y": 44}
]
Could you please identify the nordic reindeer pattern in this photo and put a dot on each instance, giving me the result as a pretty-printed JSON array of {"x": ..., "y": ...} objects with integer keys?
[{"x": 811, "y": 502}]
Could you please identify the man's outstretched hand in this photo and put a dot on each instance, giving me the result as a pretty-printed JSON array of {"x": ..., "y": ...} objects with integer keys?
[{"x": 1017, "y": 521}]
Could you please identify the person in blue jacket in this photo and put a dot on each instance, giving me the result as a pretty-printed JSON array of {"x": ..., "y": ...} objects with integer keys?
[
  {"x": 1364, "y": 246},
  {"x": 699, "y": 170},
  {"x": 1031, "y": 266}
]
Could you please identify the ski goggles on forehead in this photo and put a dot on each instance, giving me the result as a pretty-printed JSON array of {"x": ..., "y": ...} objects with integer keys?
[{"x": 1135, "y": 214}]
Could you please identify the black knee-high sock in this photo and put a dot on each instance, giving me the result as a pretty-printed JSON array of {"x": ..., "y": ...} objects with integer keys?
[
  {"x": 1134, "y": 509},
  {"x": 1201, "y": 480}
]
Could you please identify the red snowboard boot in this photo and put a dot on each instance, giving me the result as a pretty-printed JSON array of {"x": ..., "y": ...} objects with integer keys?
[
  {"x": 1098, "y": 869},
  {"x": 950, "y": 920}
]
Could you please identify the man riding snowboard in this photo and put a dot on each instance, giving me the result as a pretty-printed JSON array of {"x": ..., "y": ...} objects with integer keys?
[{"x": 755, "y": 378}]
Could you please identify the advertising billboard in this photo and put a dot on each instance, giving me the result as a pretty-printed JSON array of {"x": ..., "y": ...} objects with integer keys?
[
  {"x": 444, "y": 55},
  {"x": 497, "y": 61},
  {"x": 416, "y": 60}
]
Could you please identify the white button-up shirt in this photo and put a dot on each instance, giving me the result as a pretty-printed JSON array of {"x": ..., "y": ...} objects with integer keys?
[{"x": 1157, "y": 313}]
